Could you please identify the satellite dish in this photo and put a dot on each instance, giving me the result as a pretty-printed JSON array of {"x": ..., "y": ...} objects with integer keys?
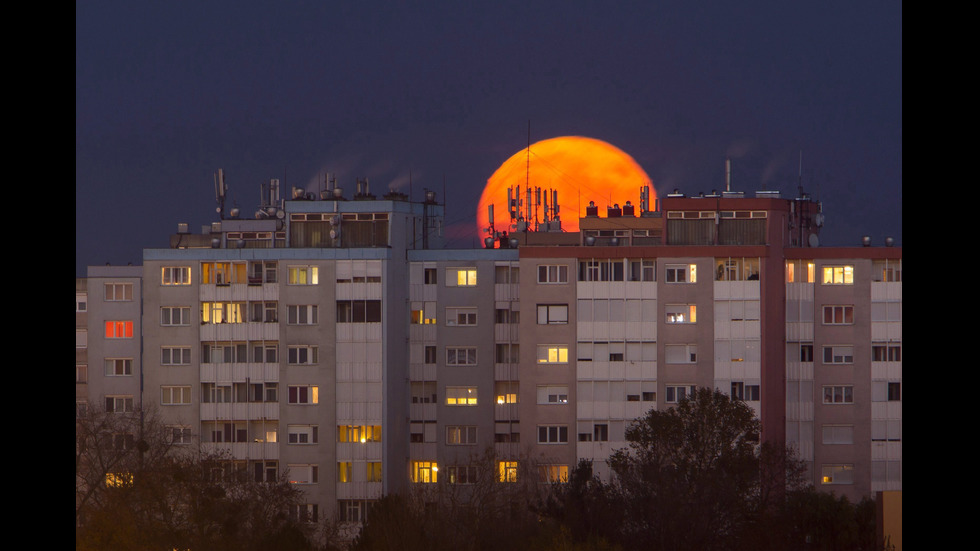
[
  {"x": 818, "y": 220},
  {"x": 814, "y": 240},
  {"x": 280, "y": 214}
]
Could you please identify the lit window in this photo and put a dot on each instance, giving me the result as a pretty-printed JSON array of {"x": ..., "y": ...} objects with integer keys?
[
  {"x": 223, "y": 273},
  {"x": 552, "y": 434},
  {"x": 681, "y": 273},
  {"x": 358, "y": 433},
  {"x": 303, "y": 474},
  {"x": 840, "y": 354},
  {"x": 117, "y": 480},
  {"x": 423, "y": 313},
  {"x": 460, "y": 316},
  {"x": 506, "y": 392},
  {"x": 302, "y": 355},
  {"x": 118, "y": 367},
  {"x": 552, "y": 314},
  {"x": 838, "y": 275},
  {"x": 507, "y": 471},
  {"x": 681, "y": 313},
  {"x": 553, "y": 273},
  {"x": 115, "y": 292},
  {"x": 175, "y": 315},
  {"x": 302, "y": 434},
  {"x": 303, "y": 314},
  {"x": 800, "y": 271},
  {"x": 460, "y": 277},
  {"x": 552, "y": 354},
  {"x": 425, "y": 472},
  {"x": 550, "y": 474},
  {"x": 175, "y": 395},
  {"x": 461, "y": 356},
  {"x": 837, "y": 474},
  {"x": 838, "y": 315},
  {"x": 374, "y": 472},
  {"x": 175, "y": 355},
  {"x": 303, "y": 275},
  {"x": 460, "y": 435},
  {"x": 304, "y": 394},
  {"x": 118, "y": 329},
  {"x": 461, "y": 395},
  {"x": 223, "y": 312},
  {"x": 838, "y": 394},
  {"x": 175, "y": 275},
  {"x": 675, "y": 394}
]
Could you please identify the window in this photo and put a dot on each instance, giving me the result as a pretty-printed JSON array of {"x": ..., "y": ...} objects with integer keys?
[
  {"x": 837, "y": 474},
  {"x": 642, "y": 270},
  {"x": 304, "y": 394},
  {"x": 838, "y": 315},
  {"x": 266, "y": 471},
  {"x": 806, "y": 352},
  {"x": 742, "y": 391},
  {"x": 553, "y": 395},
  {"x": 304, "y": 474},
  {"x": 552, "y": 354},
  {"x": 423, "y": 313},
  {"x": 462, "y": 474},
  {"x": 552, "y": 314},
  {"x": 460, "y": 395},
  {"x": 838, "y": 434},
  {"x": 81, "y": 338},
  {"x": 838, "y": 275},
  {"x": 263, "y": 353},
  {"x": 507, "y": 353},
  {"x": 430, "y": 354},
  {"x": 374, "y": 472},
  {"x": 118, "y": 367},
  {"x": 839, "y": 354},
  {"x": 354, "y": 510},
  {"x": 460, "y": 316},
  {"x": 223, "y": 312},
  {"x": 302, "y": 314},
  {"x": 550, "y": 474},
  {"x": 552, "y": 434},
  {"x": 838, "y": 394},
  {"x": 504, "y": 315},
  {"x": 175, "y": 355},
  {"x": 115, "y": 292},
  {"x": 681, "y": 313},
  {"x": 175, "y": 315},
  {"x": 302, "y": 355},
  {"x": 175, "y": 275},
  {"x": 178, "y": 434},
  {"x": 424, "y": 472},
  {"x": 302, "y": 434},
  {"x": 506, "y": 392},
  {"x": 303, "y": 275},
  {"x": 175, "y": 395},
  {"x": 506, "y": 274},
  {"x": 264, "y": 312},
  {"x": 681, "y": 273},
  {"x": 552, "y": 273},
  {"x": 800, "y": 271},
  {"x": 677, "y": 393},
  {"x": 431, "y": 276},
  {"x": 358, "y": 433},
  {"x": 600, "y": 432},
  {"x": 81, "y": 302},
  {"x": 262, "y": 272},
  {"x": 894, "y": 392},
  {"x": 460, "y": 277},
  {"x": 212, "y": 393},
  {"x": 736, "y": 269},
  {"x": 886, "y": 353},
  {"x": 461, "y": 356},
  {"x": 601, "y": 270},
  {"x": 119, "y": 404},
  {"x": 507, "y": 471},
  {"x": 681, "y": 353},
  {"x": 227, "y": 352},
  {"x": 305, "y": 513},
  {"x": 118, "y": 329},
  {"x": 886, "y": 270},
  {"x": 223, "y": 273},
  {"x": 81, "y": 373},
  {"x": 358, "y": 311},
  {"x": 460, "y": 435}
]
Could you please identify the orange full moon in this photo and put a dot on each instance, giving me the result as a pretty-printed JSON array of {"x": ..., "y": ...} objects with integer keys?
[{"x": 580, "y": 169}]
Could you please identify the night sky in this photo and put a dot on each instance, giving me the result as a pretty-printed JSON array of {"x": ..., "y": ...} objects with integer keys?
[{"x": 168, "y": 92}]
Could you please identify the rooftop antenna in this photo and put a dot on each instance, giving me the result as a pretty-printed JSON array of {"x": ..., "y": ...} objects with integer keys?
[
  {"x": 220, "y": 190},
  {"x": 728, "y": 174},
  {"x": 799, "y": 186}
]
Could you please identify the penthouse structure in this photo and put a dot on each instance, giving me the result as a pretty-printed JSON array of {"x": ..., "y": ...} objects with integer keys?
[{"x": 336, "y": 340}]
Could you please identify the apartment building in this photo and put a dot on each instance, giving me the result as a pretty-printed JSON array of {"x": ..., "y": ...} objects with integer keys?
[{"x": 337, "y": 341}]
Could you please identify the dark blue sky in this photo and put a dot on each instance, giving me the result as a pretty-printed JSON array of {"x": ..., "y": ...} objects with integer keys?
[{"x": 167, "y": 93}]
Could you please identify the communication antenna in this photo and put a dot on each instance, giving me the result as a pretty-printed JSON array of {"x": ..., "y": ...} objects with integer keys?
[{"x": 220, "y": 190}]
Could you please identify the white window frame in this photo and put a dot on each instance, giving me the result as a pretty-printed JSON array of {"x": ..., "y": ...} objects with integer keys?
[
  {"x": 303, "y": 434},
  {"x": 552, "y": 314},
  {"x": 461, "y": 316},
  {"x": 838, "y": 314},
  {"x": 552, "y": 395},
  {"x": 175, "y": 395},
  {"x": 302, "y": 314},
  {"x": 461, "y": 277},
  {"x": 311, "y": 397},
  {"x": 175, "y": 275},
  {"x": 303, "y": 473},
  {"x": 552, "y": 274},
  {"x": 838, "y": 354},
  {"x": 461, "y": 396},
  {"x": 838, "y": 394},
  {"x": 302, "y": 275},
  {"x": 125, "y": 400},
  {"x": 116, "y": 325},
  {"x": 552, "y": 434},
  {"x": 681, "y": 273},
  {"x": 675, "y": 393},
  {"x": 113, "y": 365},
  {"x": 461, "y": 356},
  {"x": 169, "y": 353},
  {"x": 302, "y": 355},
  {"x": 677, "y": 314},
  {"x": 81, "y": 302},
  {"x": 688, "y": 353},
  {"x": 552, "y": 354},
  {"x": 838, "y": 275},
  {"x": 113, "y": 291},
  {"x": 461, "y": 435},
  {"x": 179, "y": 435},
  {"x": 173, "y": 316}
]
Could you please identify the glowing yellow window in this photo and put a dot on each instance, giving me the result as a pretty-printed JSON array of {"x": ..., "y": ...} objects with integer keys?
[
  {"x": 551, "y": 354},
  {"x": 425, "y": 472},
  {"x": 507, "y": 471},
  {"x": 838, "y": 275}
]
